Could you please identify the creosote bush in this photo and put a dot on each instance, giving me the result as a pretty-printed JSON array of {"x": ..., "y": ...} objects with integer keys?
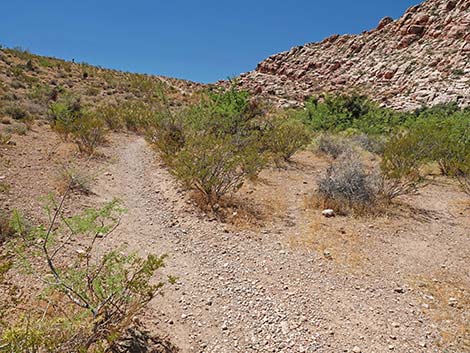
[
  {"x": 284, "y": 137},
  {"x": 74, "y": 123},
  {"x": 403, "y": 156},
  {"x": 215, "y": 145}
]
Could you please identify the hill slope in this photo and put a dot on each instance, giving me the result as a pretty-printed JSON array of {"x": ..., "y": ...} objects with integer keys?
[{"x": 421, "y": 58}]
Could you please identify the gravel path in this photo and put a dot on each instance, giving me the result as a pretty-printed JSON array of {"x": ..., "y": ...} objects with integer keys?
[{"x": 249, "y": 291}]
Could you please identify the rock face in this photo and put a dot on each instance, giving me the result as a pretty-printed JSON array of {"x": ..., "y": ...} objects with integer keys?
[{"x": 423, "y": 58}]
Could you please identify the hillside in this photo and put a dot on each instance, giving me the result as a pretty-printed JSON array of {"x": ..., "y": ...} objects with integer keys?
[
  {"x": 29, "y": 83},
  {"x": 423, "y": 58}
]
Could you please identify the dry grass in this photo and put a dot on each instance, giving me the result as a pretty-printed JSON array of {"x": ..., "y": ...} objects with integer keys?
[
  {"x": 345, "y": 207},
  {"x": 338, "y": 244},
  {"x": 453, "y": 317},
  {"x": 74, "y": 179}
]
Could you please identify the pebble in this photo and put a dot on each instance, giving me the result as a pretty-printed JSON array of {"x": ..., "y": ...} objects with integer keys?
[{"x": 328, "y": 213}]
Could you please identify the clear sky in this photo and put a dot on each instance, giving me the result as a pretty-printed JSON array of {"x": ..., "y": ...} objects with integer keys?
[{"x": 204, "y": 40}]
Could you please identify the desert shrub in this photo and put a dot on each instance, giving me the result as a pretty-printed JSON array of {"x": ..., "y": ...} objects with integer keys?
[
  {"x": 16, "y": 112},
  {"x": 448, "y": 140},
  {"x": 75, "y": 180},
  {"x": 74, "y": 123},
  {"x": 92, "y": 296},
  {"x": 336, "y": 113},
  {"x": 215, "y": 166},
  {"x": 131, "y": 115},
  {"x": 39, "y": 93},
  {"x": 168, "y": 134},
  {"x": 87, "y": 132},
  {"x": 284, "y": 137},
  {"x": 6, "y": 230},
  {"x": 213, "y": 145},
  {"x": 371, "y": 143},
  {"x": 403, "y": 156},
  {"x": 4, "y": 138},
  {"x": 332, "y": 145},
  {"x": 347, "y": 186},
  {"x": 17, "y": 128}
]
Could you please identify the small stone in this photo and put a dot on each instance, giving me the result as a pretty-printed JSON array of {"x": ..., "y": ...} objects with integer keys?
[
  {"x": 356, "y": 349},
  {"x": 285, "y": 327},
  {"x": 327, "y": 254},
  {"x": 453, "y": 302},
  {"x": 328, "y": 213},
  {"x": 391, "y": 347},
  {"x": 395, "y": 324},
  {"x": 399, "y": 290}
]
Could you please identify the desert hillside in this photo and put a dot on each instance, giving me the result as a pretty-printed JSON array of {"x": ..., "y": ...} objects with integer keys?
[
  {"x": 145, "y": 214},
  {"x": 422, "y": 58}
]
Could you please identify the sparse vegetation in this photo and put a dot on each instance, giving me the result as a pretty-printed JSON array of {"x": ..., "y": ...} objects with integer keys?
[{"x": 331, "y": 145}]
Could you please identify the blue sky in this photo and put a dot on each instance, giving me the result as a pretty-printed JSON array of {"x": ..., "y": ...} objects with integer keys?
[{"x": 203, "y": 40}]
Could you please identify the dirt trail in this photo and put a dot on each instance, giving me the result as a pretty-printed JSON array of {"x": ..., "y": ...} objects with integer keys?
[{"x": 248, "y": 291}]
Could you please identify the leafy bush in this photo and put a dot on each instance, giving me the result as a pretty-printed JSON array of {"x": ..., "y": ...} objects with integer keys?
[
  {"x": 132, "y": 115},
  {"x": 215, "y": 166},
  {"x": 403, "y": 156},
  {"x": 96, "y": 294},
  {"x": 341, "y": 112},
  {"x": 284, "y": 137},
  {"x": 74, "y": 123},
  {"x": 214, "y": 145}
]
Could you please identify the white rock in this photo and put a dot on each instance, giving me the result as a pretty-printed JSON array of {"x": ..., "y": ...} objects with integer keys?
[{"x": 328, "y": 213}]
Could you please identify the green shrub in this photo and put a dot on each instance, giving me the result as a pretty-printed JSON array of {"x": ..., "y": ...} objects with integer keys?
[
  {"x": 341, "y": 112},
  {"x": 74, "y": 123},
  {"x": 214, "y": 165},
  {"x": 93, "y": 296},
  {"x": 404, "y": 154},
  {"x": 212, "y": 146},
  {"x": 132, "y": 115},
  {"x": 285, "y": 137}
]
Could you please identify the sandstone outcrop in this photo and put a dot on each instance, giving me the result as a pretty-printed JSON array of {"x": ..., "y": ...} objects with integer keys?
[{"x": 423, "y": 58}]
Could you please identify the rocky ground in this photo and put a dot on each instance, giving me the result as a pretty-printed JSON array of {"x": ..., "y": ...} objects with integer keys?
[
  {"x": 296, "y": 282},
  {"x": 423, "y": 58}
]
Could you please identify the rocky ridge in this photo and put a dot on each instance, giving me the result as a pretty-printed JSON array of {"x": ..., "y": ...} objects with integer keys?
[{"x": 423, "y": 58}]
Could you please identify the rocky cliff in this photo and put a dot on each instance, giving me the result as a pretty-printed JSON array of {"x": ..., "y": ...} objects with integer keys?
[{"x": 423, "y": 58}]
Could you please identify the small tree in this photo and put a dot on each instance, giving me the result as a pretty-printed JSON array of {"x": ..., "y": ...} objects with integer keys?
[{"x": 103, "y": 292}]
